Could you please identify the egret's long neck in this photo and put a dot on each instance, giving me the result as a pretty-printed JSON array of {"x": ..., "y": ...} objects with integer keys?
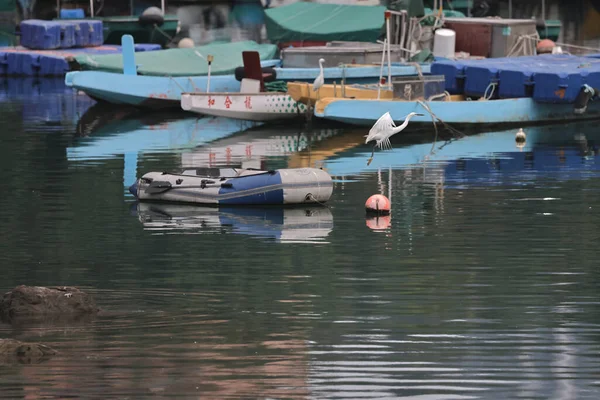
[
  {"x": 321, "y": 66},
  {"x": 404, "y": 124}
]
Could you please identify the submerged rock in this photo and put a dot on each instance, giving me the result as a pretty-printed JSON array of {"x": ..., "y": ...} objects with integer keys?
[
  {"x": 37, "y": 301},
  {"x": 25, "y": 353}
]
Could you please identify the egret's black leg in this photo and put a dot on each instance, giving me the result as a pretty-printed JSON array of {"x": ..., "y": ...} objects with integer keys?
[{"x": 372, "y": 154}]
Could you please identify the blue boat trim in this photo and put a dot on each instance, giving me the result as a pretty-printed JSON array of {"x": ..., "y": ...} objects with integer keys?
[
  {"x": 503, "y": 111},
  {"x": 242, "y": 193}
]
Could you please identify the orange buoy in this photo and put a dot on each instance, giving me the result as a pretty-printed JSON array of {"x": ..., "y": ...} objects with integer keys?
[
  {"x": 545, "y": 46},
  {"x": 378, "y": 204},
  {"x": 379, "y": 222}
]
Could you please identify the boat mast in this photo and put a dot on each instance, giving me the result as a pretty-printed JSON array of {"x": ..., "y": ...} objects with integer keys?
[
  {"x": 92, "y": 8},
  {"x": 162, "y": 6}
]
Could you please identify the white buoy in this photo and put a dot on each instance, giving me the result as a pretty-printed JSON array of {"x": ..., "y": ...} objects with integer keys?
[
  {"x": 444, "y": 43},
  {"x": 520, "y": 138},
  {"x": 153, "y": 11},
  {"x": 185, "y": 43}
]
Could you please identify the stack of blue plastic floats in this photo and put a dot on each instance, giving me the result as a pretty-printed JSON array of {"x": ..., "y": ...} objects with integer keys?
[
  {"x": 552, "y": 78},
  {"x": 46, "y": 46}
]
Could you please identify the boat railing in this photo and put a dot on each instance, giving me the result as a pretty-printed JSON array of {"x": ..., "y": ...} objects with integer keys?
[{"x": 92, "y": 8}]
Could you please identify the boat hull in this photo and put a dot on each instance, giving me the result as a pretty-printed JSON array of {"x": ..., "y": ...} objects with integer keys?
[
  {"x": 147, "y": 91},
  {"x": 115, "y": 27},
  {"x": 494, "y": 112},
  {"x": 252, "y": 107},
  {"x": 285, "y": 186}
]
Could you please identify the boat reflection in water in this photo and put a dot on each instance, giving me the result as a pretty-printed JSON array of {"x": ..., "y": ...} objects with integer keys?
[
  {"x": 45, "y": 103},
  {"x": 569, "y": 150},
  {"x": 107, "y": 132},
  {"x": 309, "y": 224},
  {"x": 256, "y": 145}
]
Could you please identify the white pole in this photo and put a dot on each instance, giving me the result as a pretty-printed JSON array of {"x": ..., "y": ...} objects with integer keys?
[
  {"x": 387, "y": 33},
  {"x": 210, "y": 59},
  {"x": 92, "y": 8},
  {"x": 162, "y": 6},
  {"x": 390, "y": 186},
  {"x": 381, "y": 69},
  {"x": 544, "y": 10}
]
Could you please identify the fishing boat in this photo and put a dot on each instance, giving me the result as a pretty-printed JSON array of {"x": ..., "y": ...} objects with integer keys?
[
  {"x": 455, "y": 110},
  {"x": 512, "y": 90},
  {"x": 309, "y": 224},
  {"x": 187, "y": 62},
  {"x": 129, "y": 87},
  {"x": 233, "y": 186},
  {"x": 152, "y": 26},
  {"x": 252, "y": 102}
]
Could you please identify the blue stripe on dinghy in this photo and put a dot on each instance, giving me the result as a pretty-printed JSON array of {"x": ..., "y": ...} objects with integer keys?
[{"x": 253, "y": 182}]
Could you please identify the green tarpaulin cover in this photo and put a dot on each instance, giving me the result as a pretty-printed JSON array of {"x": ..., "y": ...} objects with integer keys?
[
  {"x": 304, "y": 21},
  {"x": 181, "y": 62}
]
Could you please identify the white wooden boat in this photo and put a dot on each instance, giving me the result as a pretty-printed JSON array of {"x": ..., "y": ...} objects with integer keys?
[
  {"x": 251, "y": 103},
  {"x": 257, "y": 106}
]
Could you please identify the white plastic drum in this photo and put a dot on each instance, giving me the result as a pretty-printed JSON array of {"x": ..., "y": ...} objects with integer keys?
[{"x": 444, "y": 43}]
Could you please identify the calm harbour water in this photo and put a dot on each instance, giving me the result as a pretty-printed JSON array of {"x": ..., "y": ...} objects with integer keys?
[{"x": 482, "y": 285}]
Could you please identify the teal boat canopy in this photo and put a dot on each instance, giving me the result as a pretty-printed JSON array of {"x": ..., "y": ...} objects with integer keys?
[
  {"x": 305, "y": 21},
  {"x": 181, "y": 62}
]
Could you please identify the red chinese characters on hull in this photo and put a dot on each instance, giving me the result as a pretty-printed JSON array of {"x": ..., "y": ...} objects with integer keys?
[
  {"x": 248, "y": 103},
  {"x": 227, "y": 102}
]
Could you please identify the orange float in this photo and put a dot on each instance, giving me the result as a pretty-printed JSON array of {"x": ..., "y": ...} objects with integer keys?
[{"x": 378, "y": 204}]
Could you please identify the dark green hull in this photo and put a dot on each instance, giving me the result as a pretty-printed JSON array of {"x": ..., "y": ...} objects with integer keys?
[{"x": 115, "y": 27}]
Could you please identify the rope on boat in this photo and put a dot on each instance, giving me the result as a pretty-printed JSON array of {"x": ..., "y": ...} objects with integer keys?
[
  {"x": 177, "y": 83},
  {"x": 435, "y": 119},
  {"x": 493, "y": 86},
  {"x": 192, "y": 83},
  {"x": 163, "y": 32}
]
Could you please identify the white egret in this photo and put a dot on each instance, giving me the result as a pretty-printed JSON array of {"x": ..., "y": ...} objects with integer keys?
[
  {"x": 385, "y": 128},
  {"x": 320, "y": 79}
]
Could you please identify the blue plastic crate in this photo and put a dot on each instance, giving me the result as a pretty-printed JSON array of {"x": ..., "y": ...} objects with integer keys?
[
  {"x": 481, "y": 81},
  {"x": 453, "y": 72},
  {"x": 47, "y": 35},
  {"x": 53, "y": 66},
  {"x": 22, "y": 64},
  {"x": 88, "y": 33}
]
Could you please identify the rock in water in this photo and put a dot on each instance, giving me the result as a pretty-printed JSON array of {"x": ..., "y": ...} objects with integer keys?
[
  {"x": 26, "y": 353},
  {"x": 37, "y": 301}
]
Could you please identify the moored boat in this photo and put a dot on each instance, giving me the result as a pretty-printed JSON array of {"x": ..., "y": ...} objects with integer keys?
[
  {"x": 538, "y": 89},
  {"x": 149, "y": 27},
  {"x": 234, "y": 186},
  {"x": 252, "y": 102},
  {"x": 458, "y": 110},
  {"x": 265, "y": 106},
  {"x": 162, "y": 92}
]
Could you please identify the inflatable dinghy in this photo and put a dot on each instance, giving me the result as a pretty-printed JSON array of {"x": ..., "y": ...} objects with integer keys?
[{"x": 236, "y": 186}]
